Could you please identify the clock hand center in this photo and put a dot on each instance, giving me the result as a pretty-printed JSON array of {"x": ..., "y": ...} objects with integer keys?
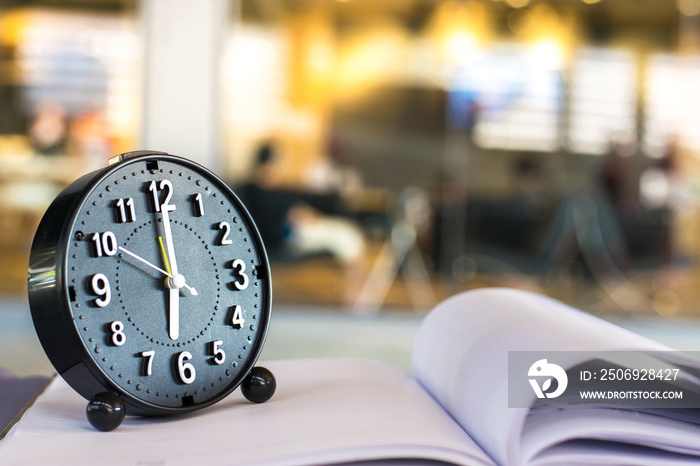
[{"x": 178, "y": 281}]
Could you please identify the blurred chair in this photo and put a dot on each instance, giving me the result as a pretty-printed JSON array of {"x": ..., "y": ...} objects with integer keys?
[{"x": 400, "y": 254}]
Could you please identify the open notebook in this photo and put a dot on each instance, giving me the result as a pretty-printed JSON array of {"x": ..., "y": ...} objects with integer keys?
[{"x": 455, "y": 410}]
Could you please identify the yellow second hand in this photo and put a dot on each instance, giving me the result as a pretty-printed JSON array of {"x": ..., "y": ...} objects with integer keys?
[{"x": 165, "y": 256}]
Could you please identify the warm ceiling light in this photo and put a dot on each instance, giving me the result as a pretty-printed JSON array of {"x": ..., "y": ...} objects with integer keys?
[
  {"x": 519, "y": 21},
  {"x": 590, "y": 2},
  {"x": 517, "y": 3},
  {"x": 689, "y": 7}
]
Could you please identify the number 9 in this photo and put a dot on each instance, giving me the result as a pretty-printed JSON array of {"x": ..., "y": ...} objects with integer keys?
[{"x": 100, "y": 286}]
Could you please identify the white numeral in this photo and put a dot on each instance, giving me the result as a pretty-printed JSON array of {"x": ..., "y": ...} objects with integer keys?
[
  {"x": 237, "y": 319},
  {"x": 118, "y": 335},
  {"x": 225, "y": 230},
  {"x": 185, "y": 369},
  {"x": 165, "y": 185},
  {"x": 218, "y": 353},
  {"x": 200, "y": 204},
  {"x": 106, "y": 242},
  {"x": 148, "y": 366},
  {"x": 100, "y": 286},
  {"x": 123, "y": 217},
  {"x": 241, "y": 282}
]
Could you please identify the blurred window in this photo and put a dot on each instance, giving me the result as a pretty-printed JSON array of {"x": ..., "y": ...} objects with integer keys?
[
  {"x": 78, "y": 63},
  {"x": 254, "y": 84},
  {"x": 515, "y": 94},
  {"x": 672, "y": 110},
  {"x": 602, "y": 99}
]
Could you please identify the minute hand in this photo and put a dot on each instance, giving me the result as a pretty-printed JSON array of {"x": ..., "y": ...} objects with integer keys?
[{"x": 174, "y": 292}]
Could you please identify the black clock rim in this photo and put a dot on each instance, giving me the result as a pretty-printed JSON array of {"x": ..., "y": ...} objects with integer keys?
[{"x": 50, "y": 302}]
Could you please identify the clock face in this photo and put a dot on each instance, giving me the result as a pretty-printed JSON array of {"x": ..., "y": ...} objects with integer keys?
[{"x": 167, "y": 282}]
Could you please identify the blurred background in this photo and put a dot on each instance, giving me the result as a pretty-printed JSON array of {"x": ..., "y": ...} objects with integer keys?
[{"x": 393, "y": 152}]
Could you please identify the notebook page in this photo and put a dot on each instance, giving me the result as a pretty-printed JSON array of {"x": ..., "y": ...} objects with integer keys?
[
  {"x": 609, "y": 425},
  {"x": 595, "y": 453},
  {"x": 460, "y": 355},
  {"x": 325, "y": 410}
]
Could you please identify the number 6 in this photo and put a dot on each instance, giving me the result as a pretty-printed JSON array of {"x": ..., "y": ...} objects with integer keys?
[{"x": 185, "y": 369}]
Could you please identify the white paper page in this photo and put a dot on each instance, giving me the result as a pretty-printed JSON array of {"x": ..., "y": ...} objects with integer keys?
[
  {"x": 649, "y": 430},
  {"x": 595, "y": 453},
  {"x": 325, "y": 410},
  {"x": 461, "y": 356}
]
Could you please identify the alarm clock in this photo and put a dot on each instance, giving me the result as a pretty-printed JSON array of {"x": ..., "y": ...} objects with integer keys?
[{"x": 150, "y": 291}]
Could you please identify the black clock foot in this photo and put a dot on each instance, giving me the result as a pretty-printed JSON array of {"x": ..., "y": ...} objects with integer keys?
[
  {"x": 105, "y": 411},
  {"x": 259, "y": 385}
]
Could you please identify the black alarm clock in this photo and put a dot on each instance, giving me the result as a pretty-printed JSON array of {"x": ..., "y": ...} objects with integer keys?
[{"x": 150, "y": 290}]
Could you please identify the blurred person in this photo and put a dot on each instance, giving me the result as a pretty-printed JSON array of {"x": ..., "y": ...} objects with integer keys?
[
  {"x": 662, "y": 188},
  {"x": 89, "y": 139},
  {"x": 268, "y": 203},
  {"x": 614, "y": 179},
  {"x": 331, "y": 175},
  {"x": 613, "y": 200},
  {"x": 292, "y": 230},
  {"x": 450, "y": 224},
  {"x": 48, "y": 129},
  {"x": 529, "y": 183},
  {"x": 660, "y": 183}
]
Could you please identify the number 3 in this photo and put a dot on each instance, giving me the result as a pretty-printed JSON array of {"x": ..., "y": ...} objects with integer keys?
[{"x": 241, "y": 282}]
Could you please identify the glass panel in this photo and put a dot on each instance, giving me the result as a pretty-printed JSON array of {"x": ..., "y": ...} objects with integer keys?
[{"x": 467, "y": 144}]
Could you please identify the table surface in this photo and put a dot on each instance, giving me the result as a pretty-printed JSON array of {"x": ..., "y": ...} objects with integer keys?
[{"x": 295, "y": 332}]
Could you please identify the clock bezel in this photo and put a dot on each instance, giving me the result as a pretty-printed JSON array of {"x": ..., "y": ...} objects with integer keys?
[{"x": 50, "y": 301}]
